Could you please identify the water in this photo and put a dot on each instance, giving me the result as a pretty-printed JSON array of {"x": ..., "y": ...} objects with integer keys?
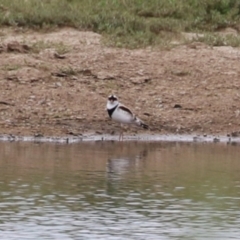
[{"x": 112, "y": 190}]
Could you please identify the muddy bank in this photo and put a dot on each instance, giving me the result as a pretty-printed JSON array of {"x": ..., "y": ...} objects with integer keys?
[{"x": 56, "y": 84}]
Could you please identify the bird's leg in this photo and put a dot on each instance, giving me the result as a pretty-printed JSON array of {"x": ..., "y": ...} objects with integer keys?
[
  {"x": 121, "y": 133},
  {"x": 120, "y": 136}
]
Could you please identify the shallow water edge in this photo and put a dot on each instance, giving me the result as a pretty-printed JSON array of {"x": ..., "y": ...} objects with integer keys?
[{"x": 138, "y": 137}]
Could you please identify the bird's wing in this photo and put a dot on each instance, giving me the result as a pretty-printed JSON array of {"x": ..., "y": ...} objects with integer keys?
[{"x": 122, "y": 107}]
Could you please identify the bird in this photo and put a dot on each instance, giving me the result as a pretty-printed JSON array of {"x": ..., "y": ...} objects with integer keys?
[{"x": 122, "y": 114}]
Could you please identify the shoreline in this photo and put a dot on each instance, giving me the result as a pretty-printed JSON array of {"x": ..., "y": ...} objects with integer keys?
[{"x": 187, "y": 138}]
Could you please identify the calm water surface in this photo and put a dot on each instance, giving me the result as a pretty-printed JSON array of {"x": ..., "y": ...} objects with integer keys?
[{"x": 112, "y": 190}]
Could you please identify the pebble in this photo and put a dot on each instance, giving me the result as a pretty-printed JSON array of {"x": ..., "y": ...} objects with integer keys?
[{"x": 58, "y": 84}]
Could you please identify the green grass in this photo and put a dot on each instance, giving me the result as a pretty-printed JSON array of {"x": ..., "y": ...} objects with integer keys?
[
  {"x": 124, "y": 23},
  {"x": 11, "y": 67},
  {"x": 214, "y": 39},
  {"x": 60, "y": 47}
]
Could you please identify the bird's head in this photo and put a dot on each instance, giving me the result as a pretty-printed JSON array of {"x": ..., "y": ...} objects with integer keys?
[{"x": 112, "y": 101}]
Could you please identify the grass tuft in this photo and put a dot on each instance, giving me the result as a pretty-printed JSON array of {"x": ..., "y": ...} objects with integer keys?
[
  {"x": 125, "y": 23},
  {"x": 60, "y": 47},
  {"x": 219, "y": 40}
]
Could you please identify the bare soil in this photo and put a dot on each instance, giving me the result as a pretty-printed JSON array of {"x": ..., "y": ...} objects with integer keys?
[{"x": 191, "y": 88}]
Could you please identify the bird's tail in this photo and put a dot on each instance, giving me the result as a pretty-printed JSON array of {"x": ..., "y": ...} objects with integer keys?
[
  {"x": 143, "y": 125},
  {"x": 140, "y": 123}
]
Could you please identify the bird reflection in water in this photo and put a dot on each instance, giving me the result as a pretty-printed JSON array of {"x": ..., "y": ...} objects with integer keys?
[{"x": 119, "y": 168}]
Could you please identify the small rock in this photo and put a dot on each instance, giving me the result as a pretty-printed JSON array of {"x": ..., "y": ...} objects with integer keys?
[
  {"x": 59, "y": 74},
  {"x": 74, "y": 78},
  {"x": 177, "y": 106},
  {"x": 17, "y": 47},
  {"x": 235, "y": 134},
  {"x": 56, "y": 55},
  {"x": 38, "y": 135},
  {"x": 73, "y": 133},
  {"x": 58, "y": 84},
  {"x": 6, "y": 103}
]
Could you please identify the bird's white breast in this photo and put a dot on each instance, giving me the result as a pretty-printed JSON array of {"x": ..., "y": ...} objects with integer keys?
[{"x": 122, "y": 116}]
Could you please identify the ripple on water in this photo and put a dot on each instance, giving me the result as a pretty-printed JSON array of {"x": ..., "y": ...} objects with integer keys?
[{"x": 156, "y": 191}]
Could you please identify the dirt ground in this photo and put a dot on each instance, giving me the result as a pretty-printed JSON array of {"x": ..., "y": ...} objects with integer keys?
[{"x": 62, "y": 88}]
